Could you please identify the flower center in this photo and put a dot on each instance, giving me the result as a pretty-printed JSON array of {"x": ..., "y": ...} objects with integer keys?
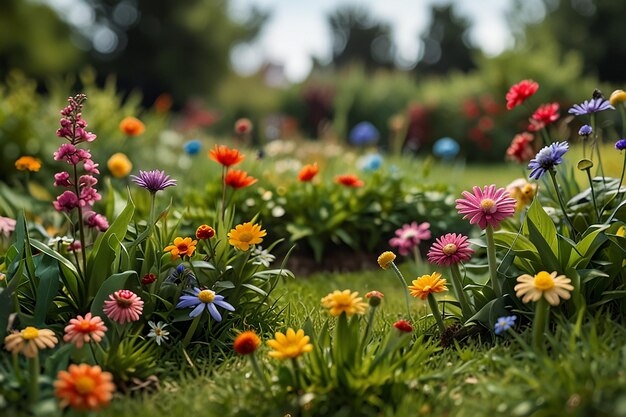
[
  {"x": 30, "y": 333},
  {"x": 246, "y": 237},
  {"x": 84, "y": 385},
  {"x": 158, "y": 331},
  {"x": 206, "y": 296},
  {"x": 123, "y": 301},
  {"x": 426, "y": 288},
  {"x": 84, "y": 326},
  {"x": 182, "y": 247},
  {"x": 450, "y": 249},
  {"x": 409, "y": 234},
  {"x": 343, "y": 302},
  {"x": 543, "y": 281},
  {"x": 487, "y": 205}
]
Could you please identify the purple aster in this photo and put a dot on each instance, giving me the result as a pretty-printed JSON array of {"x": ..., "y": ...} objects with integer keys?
[
  {"x": 547, "y": 158},
  {"x": 153, "y": 181},
  {"x": 585, "y": 130},
  {"x": 620, "y": 144},
  {"x": 591, "y": 106},
  {"x": 504, "y": 323},
  {"x": 204, "y": 299}
]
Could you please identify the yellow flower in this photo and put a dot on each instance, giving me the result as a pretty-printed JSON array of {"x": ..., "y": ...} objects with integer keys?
[
  {"x": 545, "y": 285},
  {"x": 245, "y": 235},
  {"x": 617, "y": 96},
  {"x": 291, "y": 345},
  {"x": 386, "y": 258},
  {"x": 621, "y": 231},
  {"x": 427, "y": 284},
  {"x": 345, "y": 301},
  {"x": 522, "y": 191},
  {"x": 182, "y": 247},
  {"x": 119, "y": 165},
  {"x": 28, "y": 163},
  {"x": 29, "y": 341}
]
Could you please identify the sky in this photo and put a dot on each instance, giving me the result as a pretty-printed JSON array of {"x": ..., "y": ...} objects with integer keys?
[{"x": 297, "y": 30}]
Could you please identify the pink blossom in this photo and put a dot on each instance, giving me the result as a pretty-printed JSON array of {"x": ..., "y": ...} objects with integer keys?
[
  {"x": 91, "y": 167},
  {"x": 75, "y": 246},
  {"x": 88, "y": 196},
  {"x": 67, "y": 202},
  {"x": 71, "y": 154},
  {"x": 123, "y": 306},
  {"x": 62, "y": 179},
  {"x": 87, "y": 181},
  {"x": 7, "y": 225},
  {"x": 97, "y": 221},
  {"x": 409, "y": 236},
  {"x": 450, "y": 249},
  {"x": 83, "y": 330},
  {"x": 488, "y": 206}
]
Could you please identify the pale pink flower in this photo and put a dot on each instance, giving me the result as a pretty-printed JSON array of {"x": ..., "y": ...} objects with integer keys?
[
  {"x": 7, "y": 225},
  {"x": 91, "y": 167},
  {"x": 84, "y": 330},
  {"x": 123, "y": 306},
  {"x": 486, "y": 207},
  {"x": 450, "y": 249},
  {"x": 409, "y": 236}
]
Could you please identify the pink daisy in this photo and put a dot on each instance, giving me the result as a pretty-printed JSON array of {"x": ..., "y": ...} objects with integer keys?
[
  {"x": 486, "y": 207},
  {"x": 83, "y": 330},
  {"x": 409, "y": 236},
  {"x": 123, "y": 306},
  {"x": 450, "y": 249}
]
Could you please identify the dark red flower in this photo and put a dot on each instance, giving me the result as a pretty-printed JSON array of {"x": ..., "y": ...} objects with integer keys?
[
  {"x": 520, "y": 92},
  {"x": 404, "y": 326},
  {"x": 148, "y": 279}
]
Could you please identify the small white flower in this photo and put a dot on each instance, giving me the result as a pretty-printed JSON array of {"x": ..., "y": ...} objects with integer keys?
[
  {"x": 262, "y": 257},
  {"x": 158, "y": 332}
]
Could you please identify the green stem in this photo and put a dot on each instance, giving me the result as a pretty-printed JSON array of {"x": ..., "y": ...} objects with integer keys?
[
  {"x": 152, "y": 209},
  {"x": 258, "y": 371},
  {"x": 545, "y": 137},
  {"x": 296, "y": 373},
  {"x": 191, "y": 330},
  {"x": 404, "y": 286},
  {"x": 368, "y": 329},
  {"x": 542, "y": 308},
  {"x": 492, "y": 261},
  {"x": 595, "y": 145},
  {"x": 81, "y": 230},
  {"x": 622, "y": 113},
  {"x": 457, "y": 280},
  {"x": 223, "y": 192},
  {"x": 621, "y": 179},
  {"x": 593, "y": 195},
  {"x": 434, "y": 308},
  {"x": 33, "y": 380},
  {"x": 561, "y": 202}
]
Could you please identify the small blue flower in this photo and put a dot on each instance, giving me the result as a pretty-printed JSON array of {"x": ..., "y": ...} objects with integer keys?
[
  {"x": 547, "y": 158},
  {"x": 446, "y": 148},
  {"x": 178, "y": 276},
  {"x": 371, "y": 162},
  {"x": 585, "y": 130},
  {"x": 363, "y": 133},
  {"x": 620, "y": 145},
  {"x": 204, "y": 299},
  {"x": 591, "y": 106},
  {"x": 504, "y": 323},
  {"x": 192, "y": 147}
]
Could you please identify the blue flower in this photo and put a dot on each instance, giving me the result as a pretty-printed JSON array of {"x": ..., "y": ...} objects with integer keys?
[
  {"x": 620, "y": 145},
  {"x": 204, "y": 299},
  {"x": 363, "y": 133},
  {"x": 585, "y": 130},
  {"x": 504, "y": 323},
  {"x": 446, "y": 148},
  {"x": 371, "y": 162},
  {"x": 192, "y": 147},
  {"x": 178, "y": 276},
  {"x": 547, "y": 158},
  {"x": 591, "y": 106}
]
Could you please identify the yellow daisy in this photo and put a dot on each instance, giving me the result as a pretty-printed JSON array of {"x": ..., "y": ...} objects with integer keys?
[
  {"x": 345, "y": 301},
  {"x": 245, "y": 235},
  {"x": 427, "y": 284},
  {"x": 290, "y": 345},
  {"x": 182, "y": 247},
  {"x": 546, "y": 285},
  {"x": 29, "y": 341}
]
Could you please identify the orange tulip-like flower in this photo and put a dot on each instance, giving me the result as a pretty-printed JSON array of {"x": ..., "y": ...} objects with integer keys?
[
  {"x": 132, "y": 126},
  {"x": 246, "y": 343},
  {"x": 308, "y": 172},
  {"x": 181, "y": 247},
  {"x": 349, "y": 180},
  {"x": 225, "y": 156},
  {"x": 84, "y": 388},
  {"x": 239, "y": 179},
  {"x": 427, "y": 284}
]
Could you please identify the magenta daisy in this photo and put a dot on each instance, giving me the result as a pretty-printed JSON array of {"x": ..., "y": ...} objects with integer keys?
[
  {"x": 409, "y": 236},
  {"x": 488, "y": 206},
  {"x": 123, "y": 306},
  {"x": 450, "y": 249}
]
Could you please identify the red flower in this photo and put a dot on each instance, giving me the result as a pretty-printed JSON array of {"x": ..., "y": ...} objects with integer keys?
[
  {"x": 349, "y": 180},
  {"x": 225, "y": 156},
  {"x": 239, "y": 179},
  {"x": 543, "y": 116},
  {"x": 148, "y": 279},
  {"x": 404, "y": 326},
  {"x": 521, "y": 148},
  {"x": 205, "y": 232},
  {"x": 243, "y": 126},
  {"x": 518, "y": 93},
  {"x": 308, "y": 172}
]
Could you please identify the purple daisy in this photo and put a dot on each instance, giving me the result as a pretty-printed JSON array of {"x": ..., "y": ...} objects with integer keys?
[
  {"x": 547, "y": 158},
  {"x": 153, "y": 181},
  {"x": 204, "y": 299},
  {"x": 585, "y": 130},
  {"x": 591, "y": 106}
]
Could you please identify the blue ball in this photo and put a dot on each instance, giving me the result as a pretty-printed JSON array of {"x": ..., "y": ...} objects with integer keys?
[
  {"x": 192, "y": 147},
  {"x": 446, "y": 148},
  {"x": 363, "y": 133}
]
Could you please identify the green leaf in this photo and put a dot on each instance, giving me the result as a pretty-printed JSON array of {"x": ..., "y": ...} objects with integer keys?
[
  {"x": 255, "y": 289},
  {"x": 538, "y": 217},
  {"x": 585, "y": 249},
  {"x": 109, "y": 286},
  {"x": 543, "y": 245},
  {"x": 48, "y": 274},
  {"x": 6, "y": 305}
]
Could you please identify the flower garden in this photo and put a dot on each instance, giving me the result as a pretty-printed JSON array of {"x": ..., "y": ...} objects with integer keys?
[{"x": 312, "y": 279}]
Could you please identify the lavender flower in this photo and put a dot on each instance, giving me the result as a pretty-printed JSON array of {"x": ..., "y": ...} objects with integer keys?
[
  {"x": 153, "y": 181},
  {"x": 204, "y": 299},
  {"x": 504, "y": 323},
  {"x": 547, "y": 158},
  {"x": 591, "y": 106},
  {"x": 585, "y": 130},
  {"x": 620, "y": 145}
]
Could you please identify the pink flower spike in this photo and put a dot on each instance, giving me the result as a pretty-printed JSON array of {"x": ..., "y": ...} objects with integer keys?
[
  {"x": 91, "y": 167},
  {"x": 409, "y": 236},
  {"x": 450, "y": 249},
  {"x": 486, "y": 207},
  {"x": 123, "y": 306},
  {"x": 66, "y": 202},
  {"x": 84, "y": 330},
  {"x": 88, "y": 196}
]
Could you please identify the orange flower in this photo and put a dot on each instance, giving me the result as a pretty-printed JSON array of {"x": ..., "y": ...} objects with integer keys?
[
  {"x": 246, "y": 343},
  {"x": 308, "y": 172},
  {"x": 243, "y": 126},
  {"x": 349, "y": 180},
  {"x": 225, "y": 156},
  {"x": 239, "y": 179},
  {"x": 84, "y": 388},
  {"x": 182, "y": 247},
  {"x": 163, "y": 103},
  {"x": 427, "y": 284},
  {"x": 132, "y": 126},
  {"x": 28, "y": 163},
  {"x": 205, "y": 232}
]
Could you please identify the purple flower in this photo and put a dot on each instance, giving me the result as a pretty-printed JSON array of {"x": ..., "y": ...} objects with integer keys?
[
  {"x": 620, "y": 144},
  {"x": 204, "y": 299},
  {"x": 585, "y": 130},
  {"x": 153, "y": 181},
  {"x": 67, "y": 202},
  {"x": 547, "y": 158},
  {"x": 591, "y": 106}
]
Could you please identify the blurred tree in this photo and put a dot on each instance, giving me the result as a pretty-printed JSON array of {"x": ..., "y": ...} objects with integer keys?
[
  {"x": 160, "y": 46},
  {"x": 34, "y": 39},
  {"x": 358, "y": 38},
  {"x": 445, "y": 46},
  {"x": 588, "y": 27}
]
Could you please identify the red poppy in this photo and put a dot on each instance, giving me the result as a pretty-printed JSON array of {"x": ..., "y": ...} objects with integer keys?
[
  {"x": 349, "y": 180},
  {"x": 225, "y": 156},
  {"x": 243, "y": 126},
  {"x": 308, "y": 172},
  {"x": 404, "y": 326}
]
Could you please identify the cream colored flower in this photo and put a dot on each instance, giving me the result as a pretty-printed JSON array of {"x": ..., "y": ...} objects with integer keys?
[
  {"x": 29, "y": 341},
  {"x": 546, "y": 285}
]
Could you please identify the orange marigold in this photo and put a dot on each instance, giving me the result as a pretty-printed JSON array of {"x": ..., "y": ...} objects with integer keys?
[
  {"x": 132, "y": 126},
  {"x": 84, "y": 387},
  {"x": 182, "y": 247},
  {"x": 225, "y": 156},
  {"x": 427, "y": 284},
  {"x": 308, "y": 172},
  {"x": 28, "y": 163}
]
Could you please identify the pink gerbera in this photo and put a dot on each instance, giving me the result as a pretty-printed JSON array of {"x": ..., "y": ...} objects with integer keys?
[
  {"x": 449, "y": 249},
  {"x": 409, "y": 236},
  {"x": 123, "y": 306},
  {"x": 486, "y": 207},
  {"x": 83, "y": 330}
]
